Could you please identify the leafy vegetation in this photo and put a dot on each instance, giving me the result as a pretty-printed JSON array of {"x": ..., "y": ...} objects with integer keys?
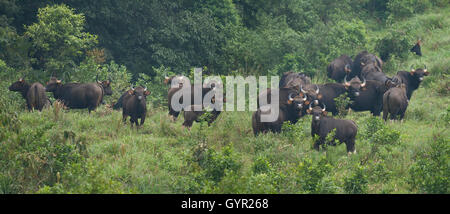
[{"x": 69, "y": 151}]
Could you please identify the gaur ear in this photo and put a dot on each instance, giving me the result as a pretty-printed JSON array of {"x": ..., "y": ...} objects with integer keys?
[
  {"x": 324, "y": 113},
  {"x": 308, "y": 111},
  {"x": 307, "y": 102},
  {"x": 426, "y": 73},
  {"x": 363, "y": 88},
  {"x": 131, "y": 92},
  {"x": 289, "y": 102},
  {"x": 146, "y": 93},
  {"x": 319, "y": 96},
  {"x": 166, "y": 80},
  {"x": 21, "y": 80}
]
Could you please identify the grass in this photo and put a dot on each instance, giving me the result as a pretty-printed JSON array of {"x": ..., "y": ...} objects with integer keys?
[{"x": 97, "y": 153}]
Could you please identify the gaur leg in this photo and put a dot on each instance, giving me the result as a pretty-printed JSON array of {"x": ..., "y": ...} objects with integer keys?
[
  {"x": 351, "y": 146},
  {"x": 142, "y": 120}
]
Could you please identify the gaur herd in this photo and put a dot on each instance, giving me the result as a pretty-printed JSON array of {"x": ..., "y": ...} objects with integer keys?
[{"x": 361, "y": 80}]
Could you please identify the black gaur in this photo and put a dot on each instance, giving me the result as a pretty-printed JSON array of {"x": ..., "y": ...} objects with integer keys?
[
  {"x": 411, "y": 79},
  {"x": 322, "y": 125},
  {"x": 339, "y": 68},
  {"x": 395, "y": 102},
  {"x": 77, "y": 95},
  {"x": 135, "y": 105},
  {"x": 34, "y": 94}
]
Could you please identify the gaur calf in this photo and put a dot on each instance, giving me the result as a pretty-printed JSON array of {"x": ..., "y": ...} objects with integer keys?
[
  {"x": 135, "y": 105},
  {"x": 34, "y": 94},
  {"x": 192, "y": 115},
  {"x": 322, "y": 125},
  {"x": 395, "y": 102}
]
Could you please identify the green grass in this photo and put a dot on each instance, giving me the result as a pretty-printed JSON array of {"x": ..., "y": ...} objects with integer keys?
[{"x": 97, "y": 153}]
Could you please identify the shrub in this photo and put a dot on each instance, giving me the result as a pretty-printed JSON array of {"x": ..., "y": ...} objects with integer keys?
[
  {"x": 311, "y": 176},
  {"x": 216, "y": 163},
  {"x": 342, "y": 103},
  {"x": 395, "y": 42},
  {"x": 356, "y": 182},
  {"x": 430, "y": 172}
]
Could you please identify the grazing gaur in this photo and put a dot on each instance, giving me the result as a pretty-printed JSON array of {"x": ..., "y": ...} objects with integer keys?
[
  {"x": 77, "y": 95},
  {"x": 417, "y": 48},
  {"x": 290, "y": 109},
  {"x": 294, "y": 80},
  {"x": 191, "y": 115},
  {"x": 33, "y": 94},
  {"x": 361, "y": 60},
  {"x": 330, "y": 91},
  {"x": 370, "y": 98},
  {"x": 135, "y": 105},
  {"x": 395, "y": 102},
  {"x": 172, "y": 90},
  {"x": 339, "y": 68},
  {"x": 411, "y": 79},
  {"x": 321, "y": 125}
]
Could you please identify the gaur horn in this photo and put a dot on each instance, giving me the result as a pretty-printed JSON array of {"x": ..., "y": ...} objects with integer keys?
[
  {"x": 324, "y": 107},
  {"x": 132, "y": 88},
  {"x": 305, "y": 97},
  {"x": 301, "y": 89},
  {"x": 412, "y": 68},
  {"x": 345, "y": 81},
  {"x": 290, "y": 97},
  {"x": 364, "y": 82},
  {"x": 425, "y": 68},
  {"x": 145, "y": 89},
  {"x": 317, "y": 89},
  {"x": 310, "y": 108}
]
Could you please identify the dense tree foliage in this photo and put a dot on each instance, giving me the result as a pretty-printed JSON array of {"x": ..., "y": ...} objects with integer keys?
[{"x": 249, "y": 36}]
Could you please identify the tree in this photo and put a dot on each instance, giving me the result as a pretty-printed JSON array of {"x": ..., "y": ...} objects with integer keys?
[{"x": 58, "y": 39}]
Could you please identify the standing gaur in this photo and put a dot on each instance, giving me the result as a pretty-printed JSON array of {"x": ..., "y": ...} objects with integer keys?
[
  {"x": 78, "y": 95},
  {"x": 135, "y": 105},
  {"x": 322, "y": 125},
  {"x": 179, "y": 88},
  {"x": 370, "y": 98},
  {"x": 339, "y": 68},
  {"x": 290, "y": 108},
  {"x": 395, "y": 102},
  {"x": 294, "y": 80},
  {"x": 330, "y": 91},
  {"x": 411, "y": 79},
  {"x": 361, "y": 60},
  {"x": 34, "y": 94}
]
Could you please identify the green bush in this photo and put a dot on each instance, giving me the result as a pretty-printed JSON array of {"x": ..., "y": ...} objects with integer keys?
[
  {"x": 356, "y": 182},
  {"x": 311, "y": 175},
  {"x": 430, "y": 172},
  {"x": 395, "y": 42},
  {"x": 216, "y": 163}
]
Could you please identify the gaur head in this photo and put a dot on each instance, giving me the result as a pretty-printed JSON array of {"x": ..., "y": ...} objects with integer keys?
[
  {"x": 106, "y": 85},
  {"x": 312, "y": 93},
  {"x": 354, "y": 86},
  {"x": 317, "y": 112},
  {"x": 419, "y": 73},
  {"x": 53, "y": 84},
  {"x": 140, "y": 92},
  {"x": 18, "y": 86},
  {"x": 297, "y": 100},
  {"x": 347, "y": 68}
]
